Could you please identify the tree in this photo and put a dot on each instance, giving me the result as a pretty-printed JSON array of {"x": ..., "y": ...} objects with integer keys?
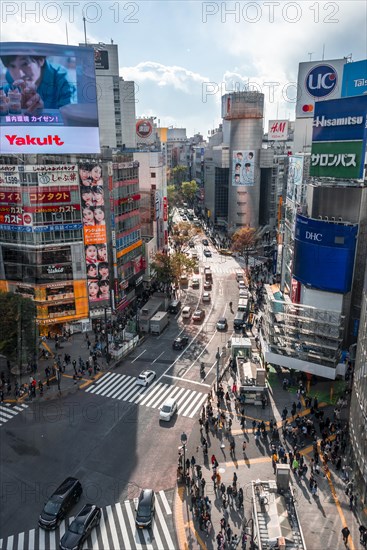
[
  {"x": 189, "y": 190},
  {"x": 170, "y": 267},
  {"x": 243, "y": 240},
  {"x": 182, "y": 233},
  {"x": 178, "y": 174},
  {"x": 18, "y": 340}
]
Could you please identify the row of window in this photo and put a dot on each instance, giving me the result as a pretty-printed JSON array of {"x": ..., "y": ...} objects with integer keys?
[
  {"x": 128, "y": 240},
  {"x": 126, "y": 207},
  {"x": 38, "y": 239},
  {"x": 125, "y": 174},
  {"x": 128, "y": 223},
  {"x": 37, "y": 257}
]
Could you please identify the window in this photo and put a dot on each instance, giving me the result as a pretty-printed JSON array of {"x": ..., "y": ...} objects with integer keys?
[{"x": 152, "y": 174}]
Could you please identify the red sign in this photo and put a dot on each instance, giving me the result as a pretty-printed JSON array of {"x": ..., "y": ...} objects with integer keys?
[
  {"x": 144, "y": 128},
  {"x": 10, "y": 197},
  {"x": 52, "y": 196},
  {"x": 165, "y": 209},
  {"x": 128, "y": 199}
]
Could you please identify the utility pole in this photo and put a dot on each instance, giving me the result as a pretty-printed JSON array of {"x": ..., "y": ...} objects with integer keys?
[{"x": 218, "y": 359}]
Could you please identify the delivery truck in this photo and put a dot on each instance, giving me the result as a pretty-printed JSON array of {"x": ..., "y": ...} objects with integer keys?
[{"x": 158, "y": 322}]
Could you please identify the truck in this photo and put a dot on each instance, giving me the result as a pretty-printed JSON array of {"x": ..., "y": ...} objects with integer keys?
[
  {"x": 158, "y": 322},
  {"x": 208, "y": 274}
]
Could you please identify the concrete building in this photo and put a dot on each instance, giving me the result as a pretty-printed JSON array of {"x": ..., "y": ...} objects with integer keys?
[{"x": 116, "y": 99}]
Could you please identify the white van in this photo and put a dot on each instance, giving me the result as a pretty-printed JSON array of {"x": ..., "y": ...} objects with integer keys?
[
  {"x": 242, "y": 304},
  {"x": 239, "y": 275},
  {"x": 186, "y": 312}
]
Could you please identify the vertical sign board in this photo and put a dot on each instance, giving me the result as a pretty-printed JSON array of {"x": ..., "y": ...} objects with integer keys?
[{"x": 94, "y": 230}]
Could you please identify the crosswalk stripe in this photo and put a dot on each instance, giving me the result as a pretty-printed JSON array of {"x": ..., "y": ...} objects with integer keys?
[
  {"x": 153, "y": 387},
  {"x": 165, "y": 503},
  {"x": 104, "y": 377},
  {"x": 21, "y": 541},
  {"x": 134, "y": 393},
  {"x": 108, "y": 384},
  {"x": 93, "y": 388},
  {"x": 156, "y": 534},
  {"x": 156, "y": 402},
  {"x": 52, "y": 540},
  {"x": 8, "y": 410},
  {"x": 130, "y": 386},
  {"x": 10, "y": 543},
  {"x": 120, "y": 388},
  {"x": 5, "y": 417},
  {"x": 94, "y": 541},
  {"x": 187, "y": 409},
  {"x": 198, "y": 406},
  {"x": 148, "y": 399},
  {"x": 183, "y": 397},
  {"x": 132, "y": 525},
  {"x": 123, "y": 528},
  {"x": 41, "y": 540},
  {"x": 113, "y": 388},
  {"x": 31, "y": 539},
  {"x": 164, "y": 525},
  {"x": 103, "y": 529},
  {"x": 111, "y": 521}
]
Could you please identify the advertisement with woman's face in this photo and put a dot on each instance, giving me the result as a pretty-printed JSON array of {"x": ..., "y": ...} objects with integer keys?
[{"x": 48, "y": 93}]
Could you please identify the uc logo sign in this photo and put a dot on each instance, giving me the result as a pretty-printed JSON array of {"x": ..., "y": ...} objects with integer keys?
[{"x": 321, "y": 80}]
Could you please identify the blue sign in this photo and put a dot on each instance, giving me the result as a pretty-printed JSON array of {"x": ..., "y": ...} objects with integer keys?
[
  {"x": 340, "y": 119},
  {"x": 324, "y": 254},
  {"x": 354, "y": 78},
  {"x": 321, "y": 80}
]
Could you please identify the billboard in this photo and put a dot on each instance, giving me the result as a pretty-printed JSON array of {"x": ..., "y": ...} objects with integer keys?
[
  {"x": 101, "y": 59},
  {"x": 278, "y": 130},
  {"x": 48, "y": 102},
  {"x": 324, "y": 254},
  {"x": 295, "y": 175},
  {"x": 94, "y": 230},
  {"x": 317, "y": 81},
  {"x": 340, "y": 119},
  {"x": 337, "y": 159},
  {"x": 355, "y": 78},
  {"x": 243, "y": 168}
]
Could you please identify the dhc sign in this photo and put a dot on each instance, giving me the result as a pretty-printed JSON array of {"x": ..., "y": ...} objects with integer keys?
[{"x": 324, "y": 254}]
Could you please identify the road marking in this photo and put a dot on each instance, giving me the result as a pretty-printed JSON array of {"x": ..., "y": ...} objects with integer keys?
[
  {"x": 192, "y": 404},
  {"x": 156, "y": 359},
  {"x": 133, "y": 361},
  {"x": 112, "y": 525},
  {"x": 186, "y": 380},
  {"x": 164, "y": 525},
  {"x": 165, "y": 503},
  {"x": 10, "y": 543},
  {"x": 21, "y": 541},
  {"x": 132, "y": 525},
  {"x": 122, "y": 524}
]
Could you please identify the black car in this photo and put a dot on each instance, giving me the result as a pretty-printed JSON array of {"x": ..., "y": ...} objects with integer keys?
[
  {"x": 180, "y": 342},
  {"x": 207, "y": 253},
  {"x": 60, "y": 502},
  {"x": 146, "y": 508},
  {"x": 205, "y": 242},
  {"x": 80, "y": 529}
]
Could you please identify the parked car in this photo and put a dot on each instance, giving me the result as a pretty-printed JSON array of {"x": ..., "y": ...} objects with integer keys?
[
  {"x": 225, "y": 252},
  {"x": 195, "y": 283},
  {"x": 59, "y": 503},
  {"x": 242, "y": 285},
  {"x": 180, "y": 342},
  {"x": 198, "y": 315},
  {"x": 145, "y": 378},
  {"x": 243, "y": 293},
  {"x": 168, "y": 409},
  {"x": 207, "y": 285},
  {"x": 222, "y": 324},
  {"x": 81, "y": 527},
  {"x": 207, "y": 253},
  {"x": 191, "y": 244},
  {"x": 205, "y": 242},
  {"x": 206, "y": 297},
  {"x": 145, "y": 509}
]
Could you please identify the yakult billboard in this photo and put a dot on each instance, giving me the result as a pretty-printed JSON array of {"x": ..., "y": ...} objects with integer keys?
[{"x": 48, "y": 101}]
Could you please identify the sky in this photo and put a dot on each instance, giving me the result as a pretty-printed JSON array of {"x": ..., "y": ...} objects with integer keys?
[{"x": 184, "y": 55}]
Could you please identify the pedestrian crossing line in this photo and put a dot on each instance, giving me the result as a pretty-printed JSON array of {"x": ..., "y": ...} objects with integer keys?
[
  {"x": 124, "y": 387},
  {"x": 117, "y": 530},
  {"x": 7, "y": 412}
]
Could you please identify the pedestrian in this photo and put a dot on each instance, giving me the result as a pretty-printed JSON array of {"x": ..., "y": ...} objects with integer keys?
[
  {"x": 345, "y": 533},
  {"x": 229, "y": 533}
]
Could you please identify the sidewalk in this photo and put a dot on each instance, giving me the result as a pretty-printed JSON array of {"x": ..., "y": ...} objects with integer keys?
[
  {"x": 76, "y": 347},
  {"x": 321, "y": 517}
]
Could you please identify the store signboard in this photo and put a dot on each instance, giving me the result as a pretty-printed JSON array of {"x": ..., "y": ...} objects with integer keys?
[
  {"x": 278, "y": 130},
  {"x": 341, "y": 119},
  {"x": 355, "y": 78},
  {"x": 337, "y": 159}
]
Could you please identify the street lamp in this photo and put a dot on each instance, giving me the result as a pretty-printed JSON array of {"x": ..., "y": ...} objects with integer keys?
[
  {"x": 217, "y": 358},
  {"x": 184, "y": 441}
]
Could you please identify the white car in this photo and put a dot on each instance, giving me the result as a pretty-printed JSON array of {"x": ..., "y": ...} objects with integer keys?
[
  {"x": 206, "y": 297},
  {"x": 168, "y": 409},
  {"x": 145, "y": 378},
  {"x": 242, "y": 285},
  {"x": 243, "y": 293}
]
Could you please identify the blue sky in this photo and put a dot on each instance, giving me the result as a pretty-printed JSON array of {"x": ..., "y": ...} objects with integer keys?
[{"x": 184, "y": 55}]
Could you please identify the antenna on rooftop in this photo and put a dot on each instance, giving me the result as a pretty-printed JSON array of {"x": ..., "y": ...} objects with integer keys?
[{"x": 310, "y": 54}]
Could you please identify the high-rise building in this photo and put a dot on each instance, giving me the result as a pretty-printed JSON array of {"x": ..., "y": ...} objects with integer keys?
[{"x": 116, "y": 99}]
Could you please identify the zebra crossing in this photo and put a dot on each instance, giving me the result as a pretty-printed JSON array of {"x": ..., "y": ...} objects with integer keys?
[
  {"x": 8, "y": 411},
  {"x": 123, "y": 387},
  {"x": 116, "y": 530}
]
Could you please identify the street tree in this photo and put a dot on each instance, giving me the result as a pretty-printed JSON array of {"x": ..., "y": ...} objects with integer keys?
[
  {"x": 189, "y": 190},
  {"x": 18, "y": 339},
  {"x": 181, "y": 234},
  {"x": 178, "y": 174},
  {"x": 243, "y": 240},
  {"x": 170, "y": 267}
]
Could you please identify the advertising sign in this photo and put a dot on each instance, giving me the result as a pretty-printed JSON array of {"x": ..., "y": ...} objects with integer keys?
[
  {"x": 94, "y": 230},
  {"x": 278, "y": 130},
  {"x": 324, "y": 254},
  {"x": 317, "y": 80},
  {"x": 101, "y": 59},
  {"x": 340, "y": 119},
  {"x": 48, "y": 102},
  {"x": 243, "y": 168},
  {"x": 144, "y": 128},
  {"x": 337, "y": 159},
  {"x": 165, "y": 209},
  {"x": 354, "y": 78},
  {"x": 295, "y": 175}
]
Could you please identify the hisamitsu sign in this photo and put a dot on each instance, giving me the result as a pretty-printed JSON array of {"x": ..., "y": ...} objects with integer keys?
[{"x": 340, "y": 119}]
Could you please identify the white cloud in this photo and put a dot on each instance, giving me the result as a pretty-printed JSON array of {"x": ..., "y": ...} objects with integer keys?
[{"x": 178, "y": 78}]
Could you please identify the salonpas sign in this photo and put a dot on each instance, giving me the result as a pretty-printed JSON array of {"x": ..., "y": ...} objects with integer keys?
[{"x": 338, "y": 159}]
